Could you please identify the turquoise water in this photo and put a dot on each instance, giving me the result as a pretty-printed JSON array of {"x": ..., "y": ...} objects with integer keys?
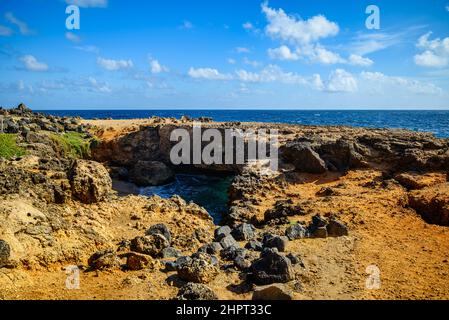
[{"x": 210, "y": 192}]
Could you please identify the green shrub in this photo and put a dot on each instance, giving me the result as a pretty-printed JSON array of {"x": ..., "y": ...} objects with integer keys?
[
  {"x": 74, "y": 144},
  {"x": 8, "y": 146}
]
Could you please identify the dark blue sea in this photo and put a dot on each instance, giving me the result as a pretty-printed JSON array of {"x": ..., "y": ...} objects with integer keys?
[{"x": 436, "y": 122}]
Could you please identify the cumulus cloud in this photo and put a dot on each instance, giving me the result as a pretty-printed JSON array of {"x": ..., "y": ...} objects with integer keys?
[
  {"x": 32, "y": 64},
  {"x": 283, "y": 53},
  {"x": 324, "y": 56},
  {"x": 208, "y": 74},
  {"x": 411, "y": 85},
  {"x": 23, "y": 26},
  {"x": 296, "y": 30},
  {"x": 89, "y": 3},
  {"x": 113, "y": 65},
  {"x": 72, "y": 37},
  {"x": 156, "y": 67},
  {"x": 97, "y": 86},
  {"x": 436, "y": 52},
  {"x": 341, "y": 81},
  {"x": 357, "y": 60},
  {"x": 270, "y": 73},
  {"x": 5, "y": 31},
  {"x": 304, "y": 35}
]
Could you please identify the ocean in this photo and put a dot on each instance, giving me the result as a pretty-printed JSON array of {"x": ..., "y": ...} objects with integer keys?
[{"x": 436, "y": 122}]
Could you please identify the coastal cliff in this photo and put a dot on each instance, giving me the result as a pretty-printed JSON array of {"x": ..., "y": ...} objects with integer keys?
[{"x": 343, "y": 199}]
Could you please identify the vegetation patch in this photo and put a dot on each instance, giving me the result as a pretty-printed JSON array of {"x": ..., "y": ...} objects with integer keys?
[
  {"x": 74, "y": 144},
  {"x": 9, "y": 147}
]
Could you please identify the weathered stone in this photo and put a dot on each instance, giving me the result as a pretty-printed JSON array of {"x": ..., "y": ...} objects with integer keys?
[
  {"x": 151, "y": 245},
  {"x": 254, "y": 245},
  {"x": 273, "y": 241},
  {"x": 104, "y": 260},
  {"x": 5, "y": 252},
  {"x": 198, "y": 270},
  {"x": 283, "y": 209},
  {"x": 151, "y": 173},
  {"x": 336, "y": 228},
  {"x": 432, "y": 204},
  {"x": 301, "y": 155},
  {"x": 319, "y": 232},
  {"x": 138, "y": 261},
  {"x": 242, "y": 263},
  {"x": 228, "y": 241},
  {"x": 296, "y": 231},
  {"x": 170, "y": 252},
  {"x": 211, "y": 248},
  {"x": 272, "y": 292},
  {"x": 244, "y": 232},
  {"x": 161, "y": 229},
  {"x": 90, "y": 181},
  {"x": 222, "y": 232},
  {"x": 271, "y": 268},
  {"x": 196, "y": 291}
]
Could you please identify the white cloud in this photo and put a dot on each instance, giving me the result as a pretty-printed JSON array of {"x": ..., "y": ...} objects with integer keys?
[
  {"x": 248, "y": 26},
  {"x": 357, "y": 60},
  {"x": 341, "y": 81},
  {"x": 271, "y": 73},
  {"x": 316, "y": 82},
  {"x": 447, "y": 8},
  {"x": 156, "y": 67},
  {"x": 89, "y": 49},
  {"x": 242, "y": 50},
  {"x": 232, "y": 61},
  {"x": 113, "y": 65},
  {"x": 89, "y": 3},
  {"x": 98, "y": 86},
  {"x": 436, "y": 52},
  {"x": 366, "y": 43},
  {"x": 5, "y": 31},
  {"x": 296, "y": 30},
  {"x": 32, "y": 64},
  {"x": 252, "y": 63},
  {"x": 208, "y": 73},
  {"x": 324, "y": 56},
  {"x": 72, "y": 37},
  {"x": 411, "y": 85},
  {"x": 283, "y": 53},
  {"x": 23, "y": 27}
]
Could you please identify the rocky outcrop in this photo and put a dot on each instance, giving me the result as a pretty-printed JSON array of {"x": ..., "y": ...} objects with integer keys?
[
  {"x": 432, "y": 204},
  {"x": 90, "y": 181},
  {"x": 270, "y": 268},
  {"x": 196, "y": 291},
  {"x": 151, "y": 173},
  {"x": 198, "y": 269}
]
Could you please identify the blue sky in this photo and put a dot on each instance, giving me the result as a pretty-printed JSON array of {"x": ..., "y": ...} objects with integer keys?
[{"x": 224, "y": 54}]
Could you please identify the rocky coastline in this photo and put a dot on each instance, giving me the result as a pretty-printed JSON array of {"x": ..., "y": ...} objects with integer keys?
[{"x": 344, "y": 199}]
